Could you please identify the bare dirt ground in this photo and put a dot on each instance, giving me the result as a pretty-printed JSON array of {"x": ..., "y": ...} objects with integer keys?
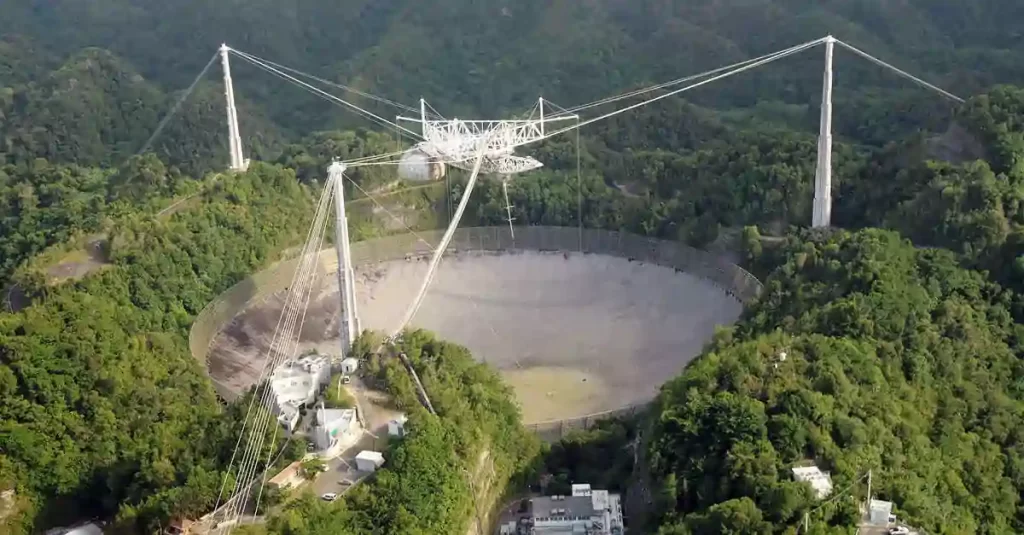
[
  {"x": 573, "y": 334},
  {"x": 80, "y": 263}
]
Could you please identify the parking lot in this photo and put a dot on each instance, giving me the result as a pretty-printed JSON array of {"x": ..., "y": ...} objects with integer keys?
[
  {"x": 374, "y": 415},
  {"x": 341, "y": 471}
]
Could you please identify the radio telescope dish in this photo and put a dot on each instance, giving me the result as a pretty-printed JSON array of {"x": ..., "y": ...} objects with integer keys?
[{"x": 418, "y": 166}]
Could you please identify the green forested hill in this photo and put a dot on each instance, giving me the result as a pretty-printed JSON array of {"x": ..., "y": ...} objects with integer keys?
[
  {"x": 97, "y": 110},
  {"x": 900, "y": 360},
  {"x": 896, "y": 360},
  {"x": 494, "y": 57},
  {"x": 103, "y": 410}
]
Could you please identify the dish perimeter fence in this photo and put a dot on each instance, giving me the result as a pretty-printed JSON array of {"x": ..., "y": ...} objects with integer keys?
[{"x": 253, "y": 290}]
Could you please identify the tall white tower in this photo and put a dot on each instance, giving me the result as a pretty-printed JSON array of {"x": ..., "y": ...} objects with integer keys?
[
  {"x": 346, "y": 277},
  {"x": 823, "y": 174},
  {"x": 238, "y": 162}
]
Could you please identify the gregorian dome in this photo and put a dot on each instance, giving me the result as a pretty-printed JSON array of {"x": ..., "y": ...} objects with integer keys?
[{"x": 418, "y": 166}]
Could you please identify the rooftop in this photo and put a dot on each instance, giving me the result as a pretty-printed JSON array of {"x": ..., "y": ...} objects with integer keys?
[
  {"x": 820, "y": 481},
  {"x": 335, "y": 416},
  {"x": 559, "y": 506},
  {"x": 881, "y": 505},
  {"x": 374, "y": 456}
]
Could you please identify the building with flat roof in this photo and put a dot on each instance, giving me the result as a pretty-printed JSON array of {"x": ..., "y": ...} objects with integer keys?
[
  {"x": 369, "y": 461},
  {"x": 880, "y": 513},
  {"x": 349, "y": 366},
  {"x": 587, "y": 511},
  {"x": 820, "y": 481},
  {"x": 295, "y": 384},
  {"x": 336, "y": 428}
]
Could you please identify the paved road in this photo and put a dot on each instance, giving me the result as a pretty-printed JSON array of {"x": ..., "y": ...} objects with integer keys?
[{"x": 341, "y": 471}]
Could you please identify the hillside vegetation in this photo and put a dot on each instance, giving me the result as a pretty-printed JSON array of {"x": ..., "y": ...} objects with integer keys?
[
  {"x": 468, "y": 59},
  {"x": 902, "y": 335},
  {"x": 895, "y": 360},
  {"x": 103, "y": 411}
]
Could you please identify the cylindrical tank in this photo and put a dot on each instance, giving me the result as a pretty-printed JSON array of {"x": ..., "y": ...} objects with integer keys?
[{"x": 418, "y": 166}]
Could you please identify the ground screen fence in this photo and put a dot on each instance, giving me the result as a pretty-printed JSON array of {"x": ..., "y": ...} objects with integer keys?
[{"x": 731, "y": 278}]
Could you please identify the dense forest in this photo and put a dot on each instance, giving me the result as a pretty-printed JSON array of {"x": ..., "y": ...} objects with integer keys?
[
  {"x": 864, "y": 353},
  {"x": 902, "y": 334},
  {"x": 103, "y": 410}
]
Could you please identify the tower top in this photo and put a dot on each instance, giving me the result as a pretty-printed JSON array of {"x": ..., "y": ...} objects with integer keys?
[{"x": 337, "y": 167}]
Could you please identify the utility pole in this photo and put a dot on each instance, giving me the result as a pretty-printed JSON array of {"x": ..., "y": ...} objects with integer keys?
[
  {"x": 234, "y": 138},
  {"x": 823, "y": 173},
  {"x": 807, "y": 522},
  {"x": 869, "y": 493},
  {"x": 346, "y": 277}
]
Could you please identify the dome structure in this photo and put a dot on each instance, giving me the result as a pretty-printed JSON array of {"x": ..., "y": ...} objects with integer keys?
[{"x": 418, "y": 166}]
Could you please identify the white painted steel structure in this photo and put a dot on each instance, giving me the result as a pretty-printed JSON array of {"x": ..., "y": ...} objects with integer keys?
[
  {"x": 822, "y": 210},
  {"x": 457, "y": 141},
  {"x": 346, "y": 277},
  {"x": 238, "y": 161}
]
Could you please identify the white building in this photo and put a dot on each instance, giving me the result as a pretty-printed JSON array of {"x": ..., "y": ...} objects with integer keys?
[
  {"x": 349, "y": 366},
  {"x": 295, "y": 384},
  {"x": 82, "y": 529},
  {"x": 336, "y": 428},
  {"x": 880, "y": 513},
  {"x": 820, "y": 481},
  {"x": 594, "y": 512},
  {"x": 369, "y": 461},
  {"x": 396, "y": 426}
]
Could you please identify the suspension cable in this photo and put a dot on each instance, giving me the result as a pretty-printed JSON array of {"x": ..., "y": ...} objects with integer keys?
[
  {"x": 320, "y": 92},
  {"x": 445, "y": 240},
  {"x": 177, "y": 106},
  {"x": 286, "y": 323},
  {"x": 747, "y": 67},
  {"x": 901, "y": 72},
  {"x": 324, "y": 200},
  {"x": 343, "y": 87},
  {"x": 678, "y": 81}
]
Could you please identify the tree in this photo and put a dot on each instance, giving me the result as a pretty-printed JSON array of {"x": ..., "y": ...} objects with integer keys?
[{"x": 312, "y": 467}]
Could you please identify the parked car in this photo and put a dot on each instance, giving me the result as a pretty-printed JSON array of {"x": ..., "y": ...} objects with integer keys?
[
  {"x": 346, "y": 379},
  {"x": 329, "y": 497},
  {"x": 899, "y": 530}
]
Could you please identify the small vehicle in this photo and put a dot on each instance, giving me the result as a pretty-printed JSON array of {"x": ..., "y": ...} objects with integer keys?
[
  {"x": 346, "y": 379},
  {"x": 899, "y": 530},
  {"x": 329, "y": 497}
]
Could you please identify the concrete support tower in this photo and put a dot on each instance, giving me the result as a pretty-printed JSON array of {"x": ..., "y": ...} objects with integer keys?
[
  {"x": 238, "y": 162},
  {"x": 823, "y": 174},
  {"x": 350, "y": 327}
]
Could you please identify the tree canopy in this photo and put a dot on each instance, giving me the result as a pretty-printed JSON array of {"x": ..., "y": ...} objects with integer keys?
[
  {"x": 895, "y": 360},
  {"x": 103, "y": 411},
  {"x": 902, "y": 338}
]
